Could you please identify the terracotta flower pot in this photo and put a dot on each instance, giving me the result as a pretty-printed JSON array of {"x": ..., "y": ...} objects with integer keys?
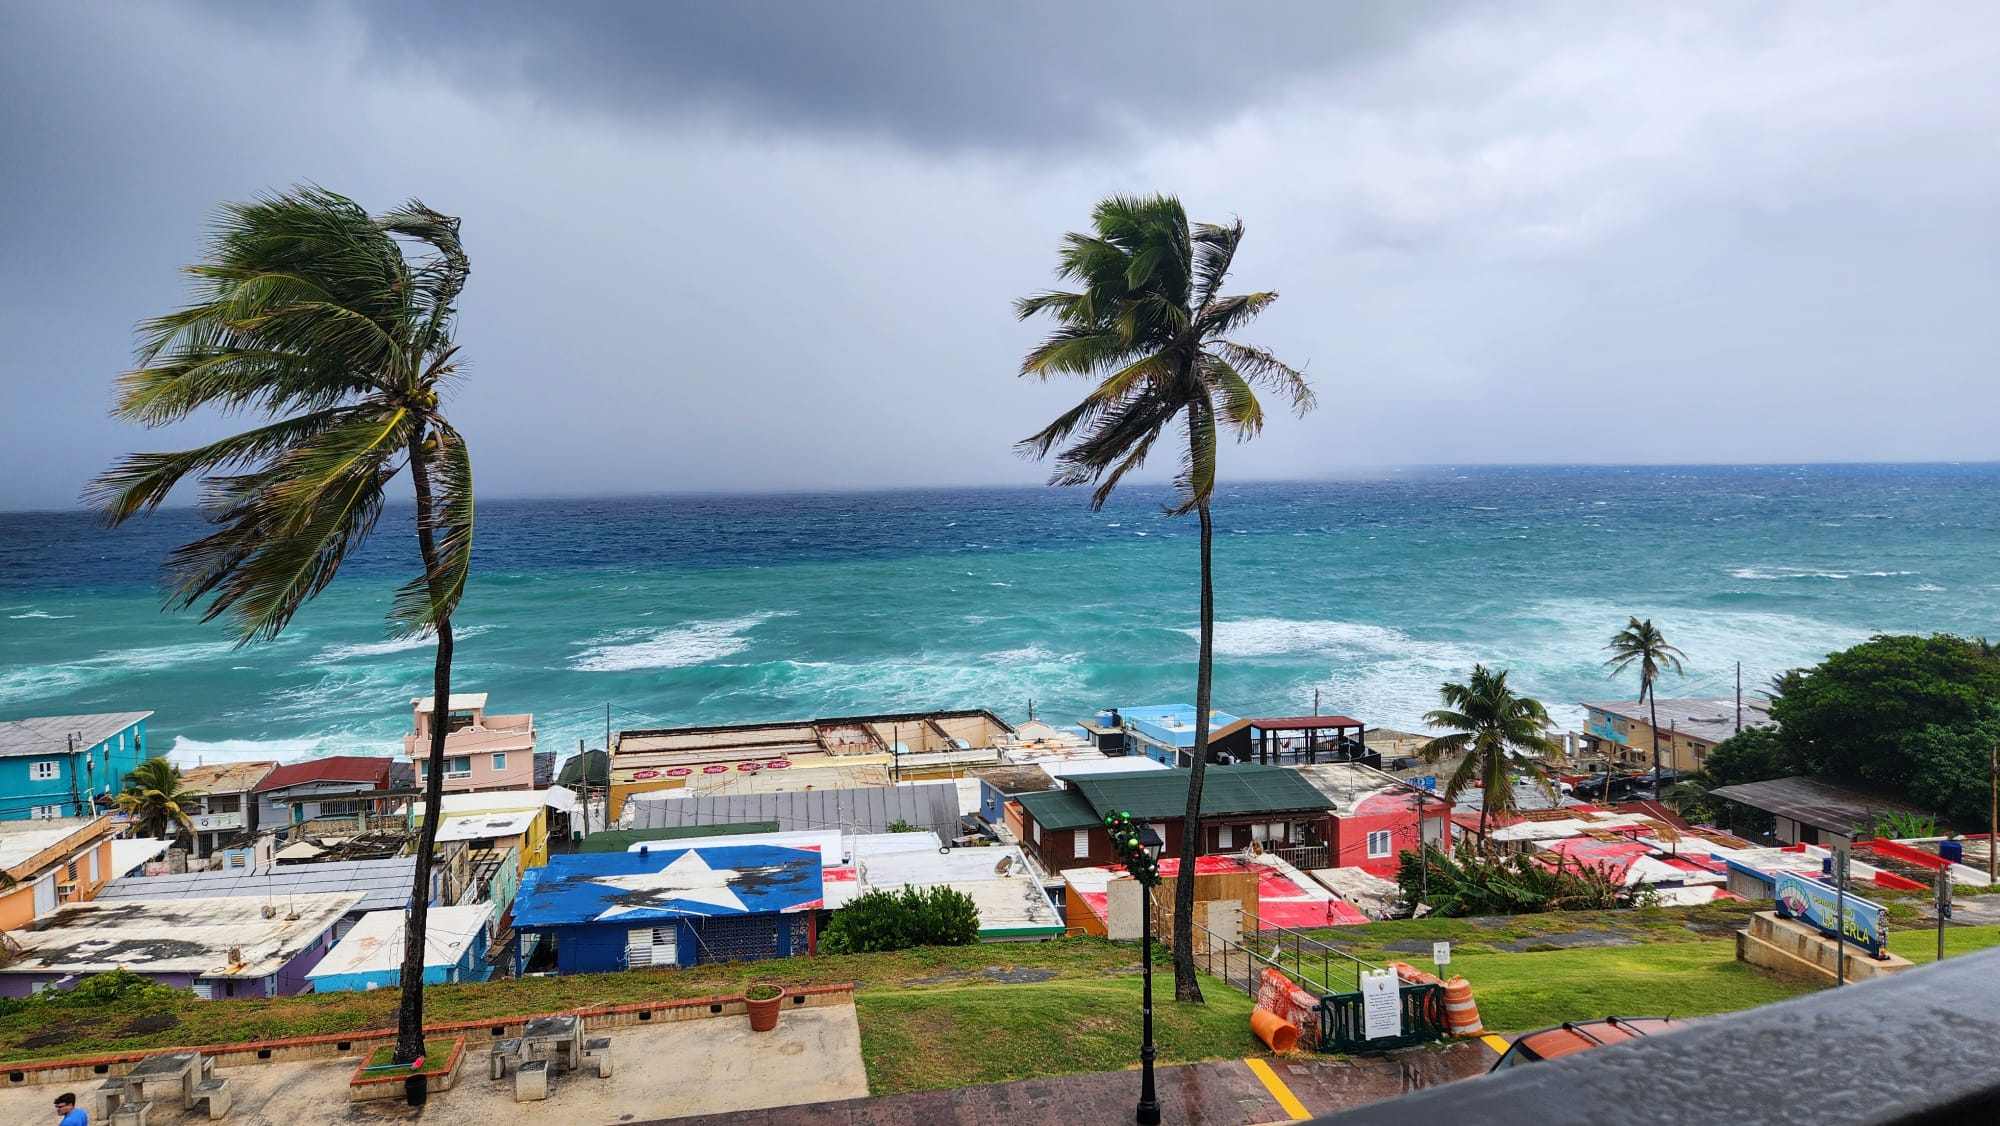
[{"x": 763, "y": 1012}]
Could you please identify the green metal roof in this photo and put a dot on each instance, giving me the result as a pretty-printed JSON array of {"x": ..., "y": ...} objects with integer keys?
[
  {"x": 1066, "y": 809},
  {"x": 1226, "y": 790},
  {"x": 620, "y": 840}
]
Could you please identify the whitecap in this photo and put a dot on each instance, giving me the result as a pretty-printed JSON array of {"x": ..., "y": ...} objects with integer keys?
[
  {"x": 693, "y": 643},
  {"x": 387, "y": 646},
  {"x": 39, "y": 614},
  {"x": 1142, "y": 533}
]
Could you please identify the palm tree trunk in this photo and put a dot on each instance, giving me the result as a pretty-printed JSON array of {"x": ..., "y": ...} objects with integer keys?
[
  {"x": 410, "y": 1009},
  {"x": 1186, "y": 988}
]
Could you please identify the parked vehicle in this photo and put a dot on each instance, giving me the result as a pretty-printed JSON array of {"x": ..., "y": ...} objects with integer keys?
[
  {"x": 1622, "y": 786},
  {"x": 1580, "y": 1036}
]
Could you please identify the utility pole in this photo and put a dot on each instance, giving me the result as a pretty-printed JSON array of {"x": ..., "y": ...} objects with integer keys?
[
  {"x": 1993, "y": 828},
  {"x": 1739, "y": 697},
  {"x": 1315, "y": 701},
  {"x": 75, "y": 800},
  {"x": 607, "y": 727}
]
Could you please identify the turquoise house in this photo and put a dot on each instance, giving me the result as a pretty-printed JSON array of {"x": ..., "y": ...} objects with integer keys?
[
  {"x": 59, "y": 765},
  {"x": 371, "y": 955}
]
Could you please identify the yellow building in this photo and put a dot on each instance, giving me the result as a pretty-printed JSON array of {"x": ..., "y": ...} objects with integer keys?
[
  {"x": 1619, "y": 733},
  {"x": 848, "y": 751},
  {"x": 499, "y": 820}
]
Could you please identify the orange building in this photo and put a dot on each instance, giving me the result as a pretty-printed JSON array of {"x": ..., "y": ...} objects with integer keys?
[{"x": 48, "y": 864}]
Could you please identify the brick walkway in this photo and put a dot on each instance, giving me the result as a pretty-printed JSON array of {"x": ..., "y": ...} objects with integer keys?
[{"x": 1228, "y": 1093}]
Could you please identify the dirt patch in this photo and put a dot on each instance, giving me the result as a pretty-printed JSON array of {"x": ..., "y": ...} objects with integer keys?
[
  {"x": 60, "y": 1034},
  {"x": 1564, "y": 941},
  {"x": 999, "y": 975},
  {"x": 146, "y": 1026}
]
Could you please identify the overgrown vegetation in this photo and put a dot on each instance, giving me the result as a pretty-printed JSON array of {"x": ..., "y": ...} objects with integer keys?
[
  {"x": 897, "y": 920},
  {"x": 1905, "y": 714},
  {"x": 1469, "y": 883},
  {"x": 116, "y": 988}
]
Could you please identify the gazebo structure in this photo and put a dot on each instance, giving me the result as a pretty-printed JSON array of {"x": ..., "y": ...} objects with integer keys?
[{"x": 1295, "y": 739}]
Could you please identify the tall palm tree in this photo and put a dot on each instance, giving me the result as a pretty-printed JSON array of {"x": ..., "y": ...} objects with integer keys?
[
  {"x": 1150, "y": 324},
  {"x": 1502, "y": 736},
  {"x": 310, "y": 313},
  {"x": 155, "y": 798},
  {"x": 1642, "y": 643}
]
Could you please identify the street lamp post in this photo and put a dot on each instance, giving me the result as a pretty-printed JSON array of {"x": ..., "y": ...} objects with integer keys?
[{"x": 1149, "y": 1102}]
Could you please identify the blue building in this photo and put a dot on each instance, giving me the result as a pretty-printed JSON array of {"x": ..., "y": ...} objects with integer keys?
[
  {"x": 1165, "y": 732},
  {"x": 58, "y": 765},
  {"x": 606, "y": 911},
  {"x": 371, "y": 955}
]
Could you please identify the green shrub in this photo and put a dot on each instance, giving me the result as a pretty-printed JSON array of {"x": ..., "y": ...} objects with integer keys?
[
  {"x": 1470, "y": 883},
  {"x": 897, "y": 920},
  {"x": 118, "y": 987}
]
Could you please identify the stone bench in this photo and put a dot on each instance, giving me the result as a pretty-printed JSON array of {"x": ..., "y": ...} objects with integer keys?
[
  {"x": 496, "y": 1062},
  {"x": 133, "y": 1114},
  {"x": 531, "y": 1081},
  {"x": 214, "y": 1092},
  {"x": 597, "y": 1051},
  {"x": 110, "y": 1094}
]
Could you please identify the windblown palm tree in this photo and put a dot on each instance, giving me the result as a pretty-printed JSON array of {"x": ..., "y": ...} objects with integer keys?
[
  {"x": 1502, "y": 736},
  {"x": 1641, "y": 643},
  {"x": 156, "y": 800},
  {"x": 1150, "y": 323},
  {"x": 310, "y": 313}
]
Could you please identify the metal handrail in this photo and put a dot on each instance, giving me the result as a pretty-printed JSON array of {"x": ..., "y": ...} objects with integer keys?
[{"x": 1300, "y": 944}]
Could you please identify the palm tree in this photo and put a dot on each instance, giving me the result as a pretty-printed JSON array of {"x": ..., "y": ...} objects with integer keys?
[
  {"x": 1642, "y": 643},
  {"x": 155, "y": 798},
  {"x": 1501, "y": 735},
  {"x": 310, "y": 313},
  {"x": 1150, "y": 324}
]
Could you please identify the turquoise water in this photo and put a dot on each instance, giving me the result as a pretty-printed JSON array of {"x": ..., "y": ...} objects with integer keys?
[{"x": 710, "y": 609}]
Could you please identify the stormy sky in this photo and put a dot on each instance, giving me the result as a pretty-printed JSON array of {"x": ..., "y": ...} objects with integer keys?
[{"x": 773, "y": 246}]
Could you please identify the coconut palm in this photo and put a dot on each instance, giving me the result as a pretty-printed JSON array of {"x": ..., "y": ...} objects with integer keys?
[
  {"x": 1504, "y": 738},
  {"x": 336, "y": 328},
  {"x": 1641, "y": 643},
  {"x": 156, "y": 801},
  {"x": 1150, "y": 324}
]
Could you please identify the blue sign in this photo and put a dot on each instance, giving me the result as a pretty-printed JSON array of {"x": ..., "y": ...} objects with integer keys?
[
  {"x": 1428, "y": 782},
  {"x": 1812, "y": 903}
]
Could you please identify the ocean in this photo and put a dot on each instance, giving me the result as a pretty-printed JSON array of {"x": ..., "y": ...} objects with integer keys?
[{"x": 1364, "y": 595}]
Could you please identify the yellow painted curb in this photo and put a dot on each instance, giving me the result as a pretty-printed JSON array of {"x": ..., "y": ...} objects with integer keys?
[
  {"x": 1278, "y": 1090},
  {"x": 1497, "y": 1043}
]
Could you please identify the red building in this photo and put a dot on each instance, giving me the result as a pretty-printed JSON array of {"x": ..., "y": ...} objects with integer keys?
[{"x": 1375, "y": 816}]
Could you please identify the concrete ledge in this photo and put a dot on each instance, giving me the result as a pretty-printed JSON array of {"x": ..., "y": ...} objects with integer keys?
[
  {"x": 88, "y": 1069},
  {"x": 365, "y": 1087},
  {"x": 1792, "y": 947}
]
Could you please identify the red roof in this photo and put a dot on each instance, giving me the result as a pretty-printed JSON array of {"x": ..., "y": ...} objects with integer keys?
[
  {"x": 1305, "y": 723},
  {"x": 334, "y": 768}
]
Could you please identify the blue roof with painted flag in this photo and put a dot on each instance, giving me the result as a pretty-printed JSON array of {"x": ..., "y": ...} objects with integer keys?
[{"x": 667, "y": 883}]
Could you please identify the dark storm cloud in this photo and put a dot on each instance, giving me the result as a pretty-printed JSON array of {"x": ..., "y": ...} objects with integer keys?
[{"x": 938, "y": 74}]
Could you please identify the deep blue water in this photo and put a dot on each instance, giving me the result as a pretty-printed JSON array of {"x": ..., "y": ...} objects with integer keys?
[{"x": 718, "y": 609}]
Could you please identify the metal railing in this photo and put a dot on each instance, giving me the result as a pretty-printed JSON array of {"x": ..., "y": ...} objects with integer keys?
[
  {"x": 1304, "y": 856},
  {"x": 1302, "y": 953}
]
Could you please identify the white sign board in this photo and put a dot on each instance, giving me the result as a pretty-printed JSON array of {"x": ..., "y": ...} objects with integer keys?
[
  {"x": 1381, "y": 1004},
  {"x": 1441, "y": 953}
]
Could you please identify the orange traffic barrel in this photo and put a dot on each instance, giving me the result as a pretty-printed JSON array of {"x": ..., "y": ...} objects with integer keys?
[
  {"x": 1461, "y": 1015},
  {"x": 1279, "y": 1034}
]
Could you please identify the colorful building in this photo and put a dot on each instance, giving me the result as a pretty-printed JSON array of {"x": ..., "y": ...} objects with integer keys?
[
  {"x": 1374, "y": 817},
  {"x": 1269, "y": 806},
  {"x": 227, "y": 805},
  {"x": 60, "y": 765},
  {"x": 608, "y": 911},
  {"x": 482, "y": 751},
  {"x": 1165, "y": 732},
  {"x": 1619, "y": 733},
  {"x": 47, "y": 864},
  {"x": 496, "y": 821},
  {"x": 335, "y": 786},
  {"x": 370, "y": 956},
  {"x": 240, "y": 947}
]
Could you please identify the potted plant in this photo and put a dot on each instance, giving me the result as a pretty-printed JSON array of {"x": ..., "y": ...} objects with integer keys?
[{"x": 763, "y": 999}]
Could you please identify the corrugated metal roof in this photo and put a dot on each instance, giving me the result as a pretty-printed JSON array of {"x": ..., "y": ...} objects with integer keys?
[
  {"x": 1225, "y": 790},
  {"x": 1062, "y": 809},
  {"x": 1810, "y": 801},
  {"x": 632, "y": 887},
  {"x": 382, "y": 884},
  {"x": 50, "y": 734},
  {"x": 333, "y": 768},
  {"x": 858, "y": 809}
]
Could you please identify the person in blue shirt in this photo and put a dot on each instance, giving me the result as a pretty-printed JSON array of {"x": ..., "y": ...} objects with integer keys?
[{"x": 72, "y": 1115}]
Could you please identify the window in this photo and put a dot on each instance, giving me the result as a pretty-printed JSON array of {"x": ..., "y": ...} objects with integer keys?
[
  {"x": 499, "y": 763},
  {"x": 72, "y": 871},
  {"x": 1038, "y": 832},
  {"x": 45, "y": 770},
  {"x": 45, "y": 812},
  {"x": 1379, "y": 844},
  {"x": 93, "y": 867},
  {"x": 460, "y": 767},
  {"x": 1082, "y": 846}
]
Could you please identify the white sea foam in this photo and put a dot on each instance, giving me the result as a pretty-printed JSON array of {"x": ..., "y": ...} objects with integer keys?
[
  {"x": 1257, "y": 637},
  {"x": 1032, "y": 655},
  {"x": 1781, "y": 574},
  {"x": 188, "y": 752},
  {"x": 693, "y": 643},
  {"x": 1928, "y": 588},
  {"x": 365, "y": 649},
  {"x": 39, "y": 614}
]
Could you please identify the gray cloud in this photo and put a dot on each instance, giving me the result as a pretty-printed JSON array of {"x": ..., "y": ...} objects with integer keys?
[
  {"x": 1523, "y": 233},
  {"x": 1004, "y": 73}
]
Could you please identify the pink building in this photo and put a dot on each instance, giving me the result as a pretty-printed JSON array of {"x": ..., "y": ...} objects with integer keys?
[{"x": 482, "y": 751}]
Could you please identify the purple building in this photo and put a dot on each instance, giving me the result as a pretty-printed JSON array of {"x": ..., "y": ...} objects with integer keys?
[{"x": 223, "y": 947}]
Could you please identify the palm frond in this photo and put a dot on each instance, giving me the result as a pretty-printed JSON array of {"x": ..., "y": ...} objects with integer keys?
[
  {"x": 1265, "y": 370},
  {"x": 1215, "y": 252},
  {"x": 1239, "y": 405},
  {"x": 140, "y": 482}
]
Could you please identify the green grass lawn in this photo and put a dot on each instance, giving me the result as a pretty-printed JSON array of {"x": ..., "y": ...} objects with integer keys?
[
  {"x": 437, "y": 1056},
  {"x": 942, "y": 1036}
]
